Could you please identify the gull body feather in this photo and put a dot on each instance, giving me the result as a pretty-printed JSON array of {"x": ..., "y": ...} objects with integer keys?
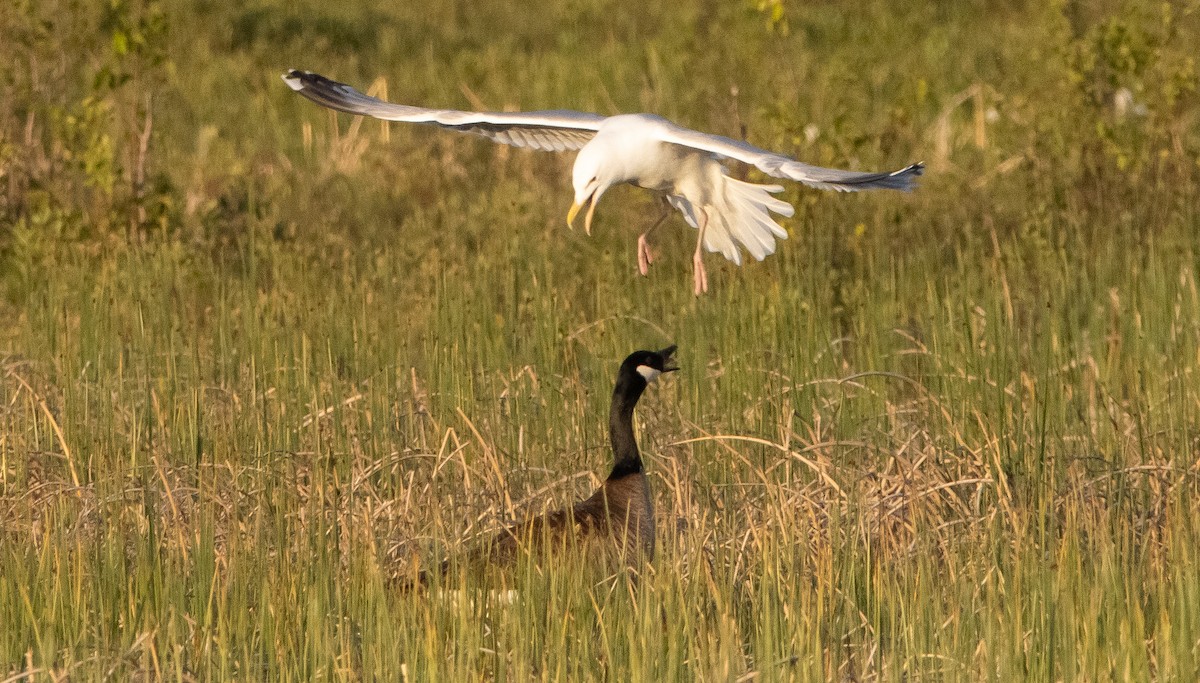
[{"x": 631, "y": 148}]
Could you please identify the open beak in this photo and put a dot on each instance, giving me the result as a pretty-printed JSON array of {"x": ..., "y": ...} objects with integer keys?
[
  {"x": 587, "y": 220},
  {"x": 575, "y": 207},
  {"x": 668, "y": 361}
]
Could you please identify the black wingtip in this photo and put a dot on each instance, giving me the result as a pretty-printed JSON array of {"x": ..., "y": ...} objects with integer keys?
[
  {"x": 299, "y": 80},
  {"x": 326, "y": 92},
  {"x": 295, "y": 78},
  {"x": 903, "y": 179}
]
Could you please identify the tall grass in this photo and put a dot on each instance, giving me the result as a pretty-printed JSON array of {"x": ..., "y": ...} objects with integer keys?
[{"x": 951, "y": 435}]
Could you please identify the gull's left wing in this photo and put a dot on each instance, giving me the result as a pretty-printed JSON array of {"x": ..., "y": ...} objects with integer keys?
[{"x": 782, "y": 166}]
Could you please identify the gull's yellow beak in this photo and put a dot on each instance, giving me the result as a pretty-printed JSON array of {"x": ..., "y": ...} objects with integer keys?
[
  {"x": 587, "y": 220},
  {"x": 575, "y": 207},
  {"x": 575, "y": 211}
]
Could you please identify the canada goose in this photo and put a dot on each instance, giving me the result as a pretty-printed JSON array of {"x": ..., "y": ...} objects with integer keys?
[
  {"x": 621, "y": 510},
  {"x": 643, "y": 150}
]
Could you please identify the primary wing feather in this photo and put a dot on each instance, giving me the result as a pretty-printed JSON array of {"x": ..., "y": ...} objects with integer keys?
[
  {"x": 544, "y": 130},
  {"x": 782, "y": 166}
]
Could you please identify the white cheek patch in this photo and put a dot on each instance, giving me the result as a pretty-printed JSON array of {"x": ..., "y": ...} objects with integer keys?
[{"x": 648, "y": 372}]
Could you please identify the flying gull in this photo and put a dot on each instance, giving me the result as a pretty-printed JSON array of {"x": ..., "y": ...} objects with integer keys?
[{"x": 644, "y": 150}]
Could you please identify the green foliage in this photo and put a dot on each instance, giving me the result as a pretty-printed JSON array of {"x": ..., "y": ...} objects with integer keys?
[
  {"x": 776, "y": 16},
  {"x": 261, "y": 359},
  {"x": 1137, "y": 71},
  {"x": 75, "y": 134}
]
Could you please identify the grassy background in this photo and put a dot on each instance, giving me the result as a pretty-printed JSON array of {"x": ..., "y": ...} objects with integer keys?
[{"x": 258, "y": 359}]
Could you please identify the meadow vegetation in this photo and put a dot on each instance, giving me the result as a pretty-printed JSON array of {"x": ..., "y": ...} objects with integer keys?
[{"x": 257, "y": 360}]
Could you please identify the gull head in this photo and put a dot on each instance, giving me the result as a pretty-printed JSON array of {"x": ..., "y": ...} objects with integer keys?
[{"x": 591, "y": 181}]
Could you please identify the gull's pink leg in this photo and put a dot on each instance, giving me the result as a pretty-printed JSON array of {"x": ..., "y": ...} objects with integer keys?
[
  {"x": 699, "y": 276},
  {"x": 645, "y": 257}
]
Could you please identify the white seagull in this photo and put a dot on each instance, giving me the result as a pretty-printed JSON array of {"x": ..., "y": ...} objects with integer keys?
[{"x": 644, "y": 150}]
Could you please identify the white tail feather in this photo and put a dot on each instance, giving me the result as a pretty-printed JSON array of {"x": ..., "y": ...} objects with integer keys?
[{"x": 739, "y": 215}]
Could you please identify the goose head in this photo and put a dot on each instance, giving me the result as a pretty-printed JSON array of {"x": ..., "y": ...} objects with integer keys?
[{"x": 645, "y": 367}]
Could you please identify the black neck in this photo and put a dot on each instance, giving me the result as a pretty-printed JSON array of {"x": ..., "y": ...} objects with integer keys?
[{"x": 626, "y": 458}]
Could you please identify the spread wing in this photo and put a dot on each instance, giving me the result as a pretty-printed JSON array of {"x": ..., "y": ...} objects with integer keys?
[
  {"x": 544, "y": 130},
  {"x": 782, "y": 166}
]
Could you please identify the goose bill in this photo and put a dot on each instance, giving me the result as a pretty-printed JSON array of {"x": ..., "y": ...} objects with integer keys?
[{"x": 668, "y": 359}]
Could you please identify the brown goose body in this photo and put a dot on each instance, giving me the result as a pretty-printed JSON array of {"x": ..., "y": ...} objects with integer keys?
[
  {"x": 620, "y": 512},
  {"x": 619, "y": 516}
]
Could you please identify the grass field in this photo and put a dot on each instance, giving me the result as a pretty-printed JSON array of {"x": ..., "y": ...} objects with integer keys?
[{"x": 257, "y": 360}]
